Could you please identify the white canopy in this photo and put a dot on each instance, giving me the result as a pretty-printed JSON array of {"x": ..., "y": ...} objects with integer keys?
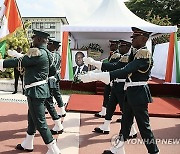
[{"x": 112, "y": 20}]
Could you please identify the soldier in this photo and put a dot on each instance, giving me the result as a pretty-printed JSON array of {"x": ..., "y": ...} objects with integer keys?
[
  {"x": 107, "y": 88},
  {"x": 37, "y": 67},
  {"x": 117, "y": 89},
  {"x": 137, "y": 93},
  {"x": 53, "y": 81}
]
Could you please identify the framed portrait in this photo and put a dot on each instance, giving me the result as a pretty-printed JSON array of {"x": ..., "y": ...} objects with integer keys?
[{"x": 77, "y": 61}]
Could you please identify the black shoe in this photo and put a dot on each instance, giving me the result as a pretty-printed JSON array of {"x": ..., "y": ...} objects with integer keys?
[
  {"x": 19, "y": 147},
  {"x": 46, "y": 112},
  {"x": 14, "y": 92},
  {"x": 61, "y": 116},
  {"x": 133, "y": 136},
  {"x": 56, "y": 132},
  {"x": 119, "y": 120},
  {"x": 107, "y": 152},
  {"x": 98, "y": 115},
  {"x": 98, "y": 130}
]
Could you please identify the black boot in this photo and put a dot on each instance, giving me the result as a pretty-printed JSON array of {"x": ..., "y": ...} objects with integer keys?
[
  {"x": 14, "y": 92},
  {"x": 119, "y": 120},
  {"x": 107, "y": 152},
  {"x": 19, "y": 147}
]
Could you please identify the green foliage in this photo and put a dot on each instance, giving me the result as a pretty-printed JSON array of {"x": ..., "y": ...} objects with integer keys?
[
  {"x": 18, "y": 40},
  {"x": 68, "y": 92},
  {"x": 163, "y": 13},
  {"x": 162, "y": 22},
  {"x": 157, "y": 7}
]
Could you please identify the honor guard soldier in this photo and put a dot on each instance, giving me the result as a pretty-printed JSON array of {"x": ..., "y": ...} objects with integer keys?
[
  {"x": 138, "y": 94},
  {"x": 53, "y": 82},
  {"x": 117, "y": 89},
  {"x": 37, "y": 68},
  {"x": 107, "y": 89}
]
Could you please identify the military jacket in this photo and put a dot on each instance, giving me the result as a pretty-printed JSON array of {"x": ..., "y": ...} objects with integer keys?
[
  {"x": 36, "y": 69},
  {"x": 114, "y": 58},
  {"x": 57, "y": 61},
  {"x": 137, "y": 70},
  {"x": 122, "y": 62}
]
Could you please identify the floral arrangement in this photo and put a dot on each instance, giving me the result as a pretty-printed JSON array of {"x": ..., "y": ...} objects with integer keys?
[
  {"x": 94, "y": 50},
  {"x": 93, "y": 47}
]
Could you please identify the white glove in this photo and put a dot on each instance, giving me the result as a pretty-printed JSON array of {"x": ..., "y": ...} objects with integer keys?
[
  {"x": 96, "y": 71},
  {"x": 91, "y": 76},
  {"x": 93, "y": 62},
  {"x": 14, "y": 53},
  {"x": 1, "y": 65}
]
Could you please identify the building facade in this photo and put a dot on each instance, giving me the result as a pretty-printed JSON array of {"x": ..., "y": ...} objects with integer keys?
[{"x": 52, "y": 25}]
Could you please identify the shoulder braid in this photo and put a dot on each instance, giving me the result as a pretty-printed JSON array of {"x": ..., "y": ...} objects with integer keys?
[
  {"x": 124, "y": 59},
  {"x": 115, "y": 56},
  {"x": 33, "y": 52},
  {"x": 144, "y": 54}
]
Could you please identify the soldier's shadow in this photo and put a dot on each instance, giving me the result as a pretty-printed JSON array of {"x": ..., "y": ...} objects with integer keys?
[{"x": 13, "y": 118}]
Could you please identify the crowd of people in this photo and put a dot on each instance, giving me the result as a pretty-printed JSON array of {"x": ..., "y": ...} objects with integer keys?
[{"x": 125, "y": 75}]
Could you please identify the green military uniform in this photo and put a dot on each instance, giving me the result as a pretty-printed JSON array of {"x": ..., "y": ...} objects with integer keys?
[
  {"x": 54, "y": 88},
  {"x": 117, "y": 89},
  {"x": 107, "y": 88},
  {"x": 36, "y": 69},
  {"x": 137, "y": 96}
]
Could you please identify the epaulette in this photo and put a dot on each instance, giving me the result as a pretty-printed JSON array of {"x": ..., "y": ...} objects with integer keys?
[
  {"x": 115, "y": 56},
  {"x": 124, "y": 59},
  {"x": 33, "y": 52},
  {"x": 142, "y": 54}
]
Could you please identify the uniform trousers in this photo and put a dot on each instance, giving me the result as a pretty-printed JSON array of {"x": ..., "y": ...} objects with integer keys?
[
  {"x": 37, "y": 119},
  {"x": 17, "y": 74},
  {"x": 116, "y": 97},
  {"x": 106, "y": 96},
  {"x": 54, "y": 92},
  {"x": 140, "y": 112}
]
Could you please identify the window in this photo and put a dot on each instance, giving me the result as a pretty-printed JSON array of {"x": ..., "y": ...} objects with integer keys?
[{"x": 38, "y": 25}]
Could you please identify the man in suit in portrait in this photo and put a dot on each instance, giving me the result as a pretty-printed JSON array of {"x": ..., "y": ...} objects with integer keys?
[{"x": 80, "y": 66}]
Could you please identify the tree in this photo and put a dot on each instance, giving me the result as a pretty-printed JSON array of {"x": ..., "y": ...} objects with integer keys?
[
  {"x": 19, "y": 39},
  {"x": 157, "y": 7}
]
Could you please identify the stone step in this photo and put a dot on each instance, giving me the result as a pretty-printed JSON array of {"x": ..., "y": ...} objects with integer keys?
[{"x": 8, "y": 85}]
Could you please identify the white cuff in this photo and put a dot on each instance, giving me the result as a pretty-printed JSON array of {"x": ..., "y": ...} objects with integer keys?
[
  {"x": 98, "y": 64},
  {"x": 1, "y": 65},
  {"x": 18, "y": 55}
]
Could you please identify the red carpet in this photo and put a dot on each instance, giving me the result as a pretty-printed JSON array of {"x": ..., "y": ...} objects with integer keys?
[{"x": 161, "y": 107}]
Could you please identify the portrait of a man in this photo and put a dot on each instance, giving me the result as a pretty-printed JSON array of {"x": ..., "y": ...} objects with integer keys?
[{"x": 79, "y": 63}]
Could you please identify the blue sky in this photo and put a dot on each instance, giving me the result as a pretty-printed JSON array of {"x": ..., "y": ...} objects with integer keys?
[{"x": 74, "y": 10}]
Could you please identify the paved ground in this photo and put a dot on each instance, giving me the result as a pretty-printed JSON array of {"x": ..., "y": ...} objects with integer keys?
[{"x": 78, "y": 137}]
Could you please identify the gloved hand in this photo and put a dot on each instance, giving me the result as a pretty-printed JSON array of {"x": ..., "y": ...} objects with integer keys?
[
  {"x": 96, "y": 71},
  {"x": 52, "y": 78},
  {"x": 91, "y": 76},
  {"x": 93, "y": 62},
  {"x": 14, "y": 53},
  {"x": 1, "y": 65}
]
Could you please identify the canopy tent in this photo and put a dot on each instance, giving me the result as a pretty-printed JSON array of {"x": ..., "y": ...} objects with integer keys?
[{"x": 112, "y": 20}]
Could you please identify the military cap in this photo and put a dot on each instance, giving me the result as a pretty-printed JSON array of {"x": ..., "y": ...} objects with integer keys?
[
  {"x": 40, "y": 33},
  {"x": 56, "y": 43},
  {"x": 114, "y": 41},
  {"x": 124, "y": 43},
  {"x": 139, "y": 32}
]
